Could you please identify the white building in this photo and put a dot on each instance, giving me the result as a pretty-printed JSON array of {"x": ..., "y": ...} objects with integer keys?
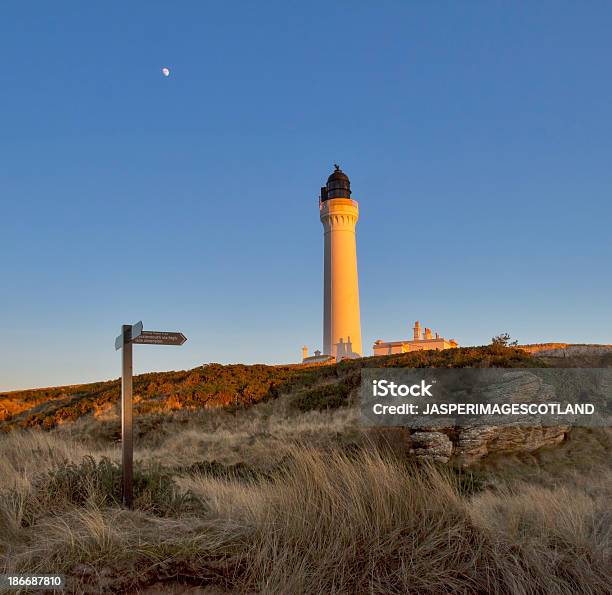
[{"x": 419, "y": 342}]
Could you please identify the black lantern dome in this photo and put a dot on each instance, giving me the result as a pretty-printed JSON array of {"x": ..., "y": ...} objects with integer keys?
[{"x": 338, "y": 185}]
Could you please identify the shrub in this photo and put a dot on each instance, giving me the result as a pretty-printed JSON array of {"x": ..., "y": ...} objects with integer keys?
[
  {"x": 328, "y": 396},
  {"x": 238, "y": 385},
  {"x": 100, "y": 483}
]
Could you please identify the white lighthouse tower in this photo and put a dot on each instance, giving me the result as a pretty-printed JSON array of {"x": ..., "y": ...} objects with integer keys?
[{"x": 341, "y": 319}]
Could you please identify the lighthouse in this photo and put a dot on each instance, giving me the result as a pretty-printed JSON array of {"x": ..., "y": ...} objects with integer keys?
[{"x": 341, "y": 319}]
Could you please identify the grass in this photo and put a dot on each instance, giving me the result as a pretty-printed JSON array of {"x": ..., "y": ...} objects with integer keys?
[
  {"x": 329, "y": 516},
  {"x": 282, "y": 491}
]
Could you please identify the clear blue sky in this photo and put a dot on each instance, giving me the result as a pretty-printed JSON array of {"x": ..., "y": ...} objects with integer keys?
[{"x": 477, "y": 136}]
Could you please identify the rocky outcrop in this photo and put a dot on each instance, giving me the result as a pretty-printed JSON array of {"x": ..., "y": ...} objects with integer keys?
[
  {"x": 435, "y": 446},
  {"x": 466, "y": 446},
  {"x": 473, "y": 444},
  {"x": 600, "y": 354},
  {"x": 564, "y": 349}
]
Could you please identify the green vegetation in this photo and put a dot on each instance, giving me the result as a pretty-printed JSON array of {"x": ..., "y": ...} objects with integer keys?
[
  {"x": 504, "y": 340},
  {"x": 98, "y": 483},
  {"x": 326, "y": 396},
  {"x": 216, "y": 385}
]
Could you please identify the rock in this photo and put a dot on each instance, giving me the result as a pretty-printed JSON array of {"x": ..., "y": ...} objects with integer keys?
[
  {"x": 476, "y": 442},
  {"x": 567, "y": 350},
  {"x": 436, "y": 446},
  {"x": 518, "y": 386},
  {"x": 566, "y": 355},
  {"x": 470, "y": 444}
]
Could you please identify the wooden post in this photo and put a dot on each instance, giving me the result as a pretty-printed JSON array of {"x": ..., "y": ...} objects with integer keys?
[
  {"x": 130, "y": 334},
  {"x": 127, "y": 441}
]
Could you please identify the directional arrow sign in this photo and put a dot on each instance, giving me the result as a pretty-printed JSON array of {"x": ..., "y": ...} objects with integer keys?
[{"x": 159, "y": 338}]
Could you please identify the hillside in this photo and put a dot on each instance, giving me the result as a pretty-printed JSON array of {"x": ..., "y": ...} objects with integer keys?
[
  {"x": 215, "y": 385},
  {"x": 261, "y": 479}
]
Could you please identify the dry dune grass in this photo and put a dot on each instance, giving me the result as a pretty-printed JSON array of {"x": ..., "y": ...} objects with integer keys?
[
  {"x": 337, "y": 523},
  {"x": 258, "y": 436},
  {"x": 334, "y": 523},
  {"x": 329, "y": 520}
]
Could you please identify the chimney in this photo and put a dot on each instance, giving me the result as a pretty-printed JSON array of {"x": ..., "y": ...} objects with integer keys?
[
  {"x": 417, "y": 331},
  {"x": 304, "y": 352},
  {"x": 427, "y": 333},
  {"x": 437, "y": 335}
]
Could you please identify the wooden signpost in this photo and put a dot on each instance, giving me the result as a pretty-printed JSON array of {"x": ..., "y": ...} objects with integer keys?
[{"x": 130, "y": 334}]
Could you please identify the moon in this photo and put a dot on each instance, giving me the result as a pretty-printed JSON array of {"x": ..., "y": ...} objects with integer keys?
[{"x": 165, "y": 71}]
